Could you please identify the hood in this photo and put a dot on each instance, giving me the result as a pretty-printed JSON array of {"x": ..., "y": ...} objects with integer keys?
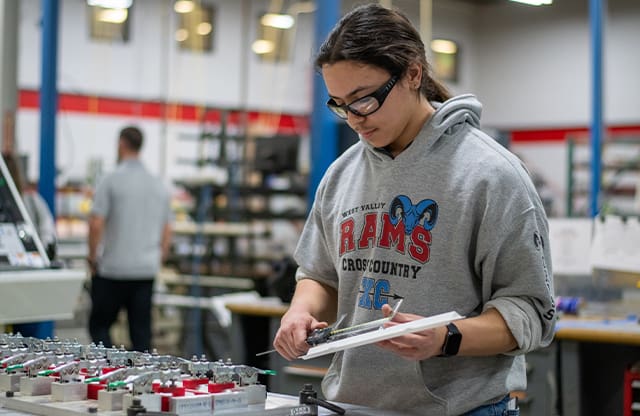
[
  {"x": 453, "y": 113},
  {"x": 448, "y": 119}
]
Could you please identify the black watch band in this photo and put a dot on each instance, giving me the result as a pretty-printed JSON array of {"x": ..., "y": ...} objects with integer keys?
[{"x": 452, "y": 341}]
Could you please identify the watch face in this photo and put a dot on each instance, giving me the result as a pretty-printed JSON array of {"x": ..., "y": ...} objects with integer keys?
[{"x": 453, "y": 340}]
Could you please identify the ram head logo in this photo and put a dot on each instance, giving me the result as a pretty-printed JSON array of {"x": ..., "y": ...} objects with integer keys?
[{"x": 423, "y": 213}]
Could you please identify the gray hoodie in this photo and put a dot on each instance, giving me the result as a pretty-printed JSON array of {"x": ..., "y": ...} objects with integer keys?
[{"x": 453, "y": 223}]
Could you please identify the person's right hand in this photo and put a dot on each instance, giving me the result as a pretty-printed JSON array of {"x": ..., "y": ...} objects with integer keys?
[{"x": 295, "y": 327}]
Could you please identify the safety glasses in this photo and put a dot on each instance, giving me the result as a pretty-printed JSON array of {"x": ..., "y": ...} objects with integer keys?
[{"x": 366, "y": 105}]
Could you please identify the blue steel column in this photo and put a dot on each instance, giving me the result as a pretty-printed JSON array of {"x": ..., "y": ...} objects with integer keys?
[
  {"x": 324, "y": 127},
  {"x": 596, "y": 8},
  {"x": 48, "y": 102},
  {"x": 48, "y": 109}
]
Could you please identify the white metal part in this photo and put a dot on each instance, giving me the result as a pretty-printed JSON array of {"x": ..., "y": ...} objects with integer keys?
[
  {"x": 68, "y": 392},
  {"x": 110, "y": 400},
  {"x": 10, "y": 382},
  {"x": 229, "y": 400},
  {"x": 35, "y": 386},
  {"x": 200, "y": 405},
  {"x": 256, "y": 393}
]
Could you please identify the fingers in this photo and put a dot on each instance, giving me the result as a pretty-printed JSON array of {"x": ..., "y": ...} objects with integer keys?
[
  {"x": 416, "y": 346},
  {"x": 318, "y": 325},
  {"x": 400, "y": 317},
  {"x": 291, "y": 344},
  {"x": 387, "y": 310},
  {"x": 405, "y": 351},
  {"x": 290, "y": 341}
]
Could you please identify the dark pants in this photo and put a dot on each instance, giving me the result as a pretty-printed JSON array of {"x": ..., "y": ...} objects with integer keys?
[{"x": 108, "y": 296}]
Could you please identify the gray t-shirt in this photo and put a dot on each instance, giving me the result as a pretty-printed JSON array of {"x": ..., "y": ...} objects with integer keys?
[
  {"x": 135, "y": 206},
  {"x": 453, "y": 223}
]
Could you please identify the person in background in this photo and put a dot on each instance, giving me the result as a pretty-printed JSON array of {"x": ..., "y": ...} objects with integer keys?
[
  {"x": 129, "y": 237},
  {"x": 428, "y": 208},
  {"x": 44, "y": 224}
]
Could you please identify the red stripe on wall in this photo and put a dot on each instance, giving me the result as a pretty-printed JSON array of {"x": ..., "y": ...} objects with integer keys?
[
  {"x": 553, "y": 135},
  {"x": 282, "y": 123},
  {"x": 550, "y": 135},
  {"x": 107, "y": 106}
]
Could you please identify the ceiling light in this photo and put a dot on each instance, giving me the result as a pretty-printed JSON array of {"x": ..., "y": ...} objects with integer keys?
[
  {"x": 204, "y": 28},
  {"x": 280, "y": 21},
  {"x": 444, "y": 46},
  {"x": 302, "y": 7},
  {"x": 262, "y": 46},
  {"x": 184, "y": 6},
  {"x": 113, "y": 15},
  {"x": 181, "y": 35},
  {"x": 534, "y": 2},
  {"x": 111, "y": 4}
]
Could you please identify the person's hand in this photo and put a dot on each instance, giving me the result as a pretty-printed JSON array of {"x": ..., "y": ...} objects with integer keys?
[
  {"x": 415, "y": 346},
  {"x": 93, "y": 266},
  {"x": 295, "y": 327}
]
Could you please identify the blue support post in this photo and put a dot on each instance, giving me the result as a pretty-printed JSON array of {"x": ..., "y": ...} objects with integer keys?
[
  {"x": 48, "y": 102},
  {"x": 596, "y": 8},
  {"x": 324, "y": 127},
  {"x": 48, "y": 109}
]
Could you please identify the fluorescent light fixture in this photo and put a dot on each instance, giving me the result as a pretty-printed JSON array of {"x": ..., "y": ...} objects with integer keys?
[
  {"x": 262, "y": 46},
  {"x": 204, "y": 28},
  {"x": 280, "y": 21},
  {"x": 181, "y": 35},
  {"x": 113, "y": 15},
  {"x": 184, "y": 6},
  {"x": 534, "y": 2},
  {"x": 444, "y": 46},
  {"x": 111, "y": 4}
]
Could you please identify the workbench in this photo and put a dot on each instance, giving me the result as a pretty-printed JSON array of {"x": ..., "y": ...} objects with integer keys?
[
  {"x": 273, "y": 404},
  {"x": 593, "y": 355}
]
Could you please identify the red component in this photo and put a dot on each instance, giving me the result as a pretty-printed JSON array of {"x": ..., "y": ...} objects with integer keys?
[
  {"x": 629, "y": 377},
  {"x": 193, "y": 383},
  {"x": 165, "y": 402},
  {"x": 93, "y": 389},
  {"x": 174, "y": 390},
  {"x": 220, "y": 387},
  {"x": 167, "y": 392}
]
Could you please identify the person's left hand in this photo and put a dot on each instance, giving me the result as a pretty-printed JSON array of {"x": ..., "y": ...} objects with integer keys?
[
  {"x": 93, "y": 266},
  {"x": 415, "y": 346}
]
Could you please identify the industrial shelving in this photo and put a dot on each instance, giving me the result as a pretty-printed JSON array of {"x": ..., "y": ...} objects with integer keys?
[
  {"x": 620, "y": 177},
  {"x": 224, "y": 239}
]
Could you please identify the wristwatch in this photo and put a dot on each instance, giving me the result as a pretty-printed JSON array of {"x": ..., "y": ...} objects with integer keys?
[{"x": 451, "y": 341}]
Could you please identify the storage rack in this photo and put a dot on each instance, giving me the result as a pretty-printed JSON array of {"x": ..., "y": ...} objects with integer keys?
[
  {"x": 620, "y": 176},
  {"x": 215, "y": 252}
]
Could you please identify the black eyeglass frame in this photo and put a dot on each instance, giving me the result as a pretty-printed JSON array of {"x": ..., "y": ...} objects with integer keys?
[{"x": 380, "y": 95}]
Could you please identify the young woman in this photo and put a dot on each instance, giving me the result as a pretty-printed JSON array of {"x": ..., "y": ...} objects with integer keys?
[{"x": 428, "y": 208}]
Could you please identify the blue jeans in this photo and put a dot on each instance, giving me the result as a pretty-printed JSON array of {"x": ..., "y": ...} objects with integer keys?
[{"x": 495, "y": 409}]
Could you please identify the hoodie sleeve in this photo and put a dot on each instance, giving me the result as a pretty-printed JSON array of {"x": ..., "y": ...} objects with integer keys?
[
  {"x": 312, "y": 253},
  {"x": 517, "y": 274}
]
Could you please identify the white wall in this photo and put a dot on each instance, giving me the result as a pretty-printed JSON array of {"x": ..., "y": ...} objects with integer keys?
[
  {"x": 529, "y": 66},
  {"x": 534, "y": 65},
  {"x": 150, "y": 67}
]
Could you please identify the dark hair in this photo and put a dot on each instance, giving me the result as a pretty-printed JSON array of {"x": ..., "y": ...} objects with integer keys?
[
  {"x": 132, "y": 136},
  {"x": 374, "y": 35}
]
